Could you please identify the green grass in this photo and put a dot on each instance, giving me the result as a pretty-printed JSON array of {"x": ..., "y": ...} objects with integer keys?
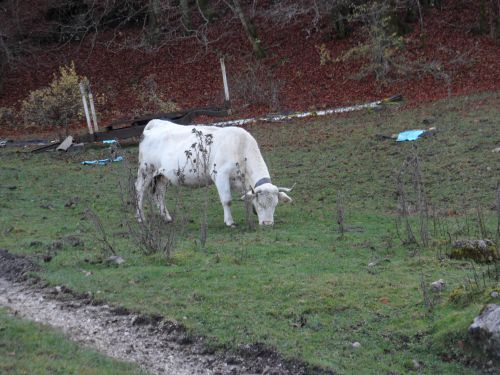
[
  {"x": 296, "y": 287},
  {"x": 29, "y": 348}
]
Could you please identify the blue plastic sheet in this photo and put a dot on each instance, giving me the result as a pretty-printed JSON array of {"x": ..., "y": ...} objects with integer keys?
[
  {"x": 110, "y": 141},
  {"x": 101, "y": 161},
  {"x": 409, "y": 135}
]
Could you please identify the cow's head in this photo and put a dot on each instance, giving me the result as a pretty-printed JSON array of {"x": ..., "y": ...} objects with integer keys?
[{"x": 265, "y": 198}]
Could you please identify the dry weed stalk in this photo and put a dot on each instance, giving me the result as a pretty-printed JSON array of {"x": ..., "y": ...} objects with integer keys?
[
  {"x": 340, "y": 215},
  {"x": 249, "y": 210},
  {"x": 101, "y": 235},
  {"x": 416, "y": 197},
  {"x": 152, "y": 234}
]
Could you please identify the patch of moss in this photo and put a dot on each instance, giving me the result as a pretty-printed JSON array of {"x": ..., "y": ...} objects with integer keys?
[
  {"x": 461, "y": 296},
  {"x": 481, "y": 251}
]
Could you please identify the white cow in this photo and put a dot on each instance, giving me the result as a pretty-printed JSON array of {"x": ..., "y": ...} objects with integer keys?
[{"x": 199, "y": 155}]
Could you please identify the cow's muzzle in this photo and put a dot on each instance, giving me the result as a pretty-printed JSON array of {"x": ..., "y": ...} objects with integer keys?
[{"x": 266, "y": 223}]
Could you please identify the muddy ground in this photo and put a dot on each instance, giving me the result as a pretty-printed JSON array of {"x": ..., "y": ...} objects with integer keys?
[{"x": 157, "y": 345}]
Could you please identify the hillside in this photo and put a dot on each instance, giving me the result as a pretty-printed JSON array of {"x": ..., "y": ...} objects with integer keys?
[{"x": 446, "y": 58}]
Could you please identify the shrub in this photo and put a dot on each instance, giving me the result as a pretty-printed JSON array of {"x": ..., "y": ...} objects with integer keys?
[
  {"x": 58, "y": 104},
  {"x": 152, "y": 99},
  {"x": 324, "y": 54},
  {"x": 255, "y": 85},
  {"x": 7, "y": 116},
  {"x": 383, "y": 46}
]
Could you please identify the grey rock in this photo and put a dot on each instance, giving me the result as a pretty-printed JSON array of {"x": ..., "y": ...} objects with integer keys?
[
  {"x": 72, "y": 202},
  {"x": 485, "y": 330},
  {"x": 438, "y": 285},
  {"x": 356, "y": 344},
  {"x": 473, "y": 244},
  {"x": 115, "y": 259},
  {"x": 416, "y": 365},
  {"x": 74, "y": 241}
]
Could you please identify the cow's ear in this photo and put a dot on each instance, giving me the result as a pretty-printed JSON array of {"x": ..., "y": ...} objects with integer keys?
[{"x": 284, "y": 198}]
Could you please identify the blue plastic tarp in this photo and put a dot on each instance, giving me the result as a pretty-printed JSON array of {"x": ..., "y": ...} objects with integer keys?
[
  {"x": 101, "y": 161},
  {"x": 409, "y": 135}
]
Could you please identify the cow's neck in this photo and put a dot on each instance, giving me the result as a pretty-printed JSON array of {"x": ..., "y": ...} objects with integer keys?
[
  {"x": 262, "y": 181},
  {"x": 257, "y": 172}
]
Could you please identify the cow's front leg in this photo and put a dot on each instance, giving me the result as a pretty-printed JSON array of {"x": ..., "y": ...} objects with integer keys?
[{"x": 224, "y": 189}]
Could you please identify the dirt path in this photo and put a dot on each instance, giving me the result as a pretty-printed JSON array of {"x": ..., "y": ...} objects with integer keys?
[{"x": 154, "y": 346}]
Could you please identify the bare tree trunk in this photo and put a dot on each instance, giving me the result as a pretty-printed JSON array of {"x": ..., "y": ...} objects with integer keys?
[
  {"x": 186, "y": 15},
  {"x": 3, "y": 61},
  {"x": 250, "y": 30},
  {"x": 482, "y": 17},
  {"x": 338, "y": 15},
  {"x": 154, "y": 11},
  {"x": 494, "y": 19}
]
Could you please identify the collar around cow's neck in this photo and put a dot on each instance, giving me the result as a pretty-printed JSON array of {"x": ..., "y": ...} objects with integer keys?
[{"x": 262, "y": 181}]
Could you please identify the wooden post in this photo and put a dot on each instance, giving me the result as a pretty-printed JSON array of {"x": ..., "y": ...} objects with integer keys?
[
  {"x": 86, "y": 108},
  {"x": 92, "y": 110},
  {"x": 227, "y": 101}
]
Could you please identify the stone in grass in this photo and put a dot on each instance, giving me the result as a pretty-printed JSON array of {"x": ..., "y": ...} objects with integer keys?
[
  {"x": 477, "y": 250},
  {"x": 416, "y": 365},
  {"x": 72, "y": 202},
  {"x": 356, "y": 345},
  {"x": 438, "y": 285},
  {"x": 485, "y": 330},
  {"x": 73, "y": 240},
  {"x": 115, "y": 260}
]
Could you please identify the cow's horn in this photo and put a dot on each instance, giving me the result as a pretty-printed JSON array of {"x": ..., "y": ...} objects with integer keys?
[
  {"x": 286, "y": 190},
  {"x": 248, "y": 194}
]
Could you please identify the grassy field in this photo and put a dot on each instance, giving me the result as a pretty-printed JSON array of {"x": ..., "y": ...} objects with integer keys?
[
  {"x": 28, "y": 348},
  {"x": 300, "y": 287}
]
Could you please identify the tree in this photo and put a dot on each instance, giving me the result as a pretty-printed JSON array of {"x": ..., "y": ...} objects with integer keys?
[
  {"x": 249, "y": 28},
  {"x": 489, "y": 17}
]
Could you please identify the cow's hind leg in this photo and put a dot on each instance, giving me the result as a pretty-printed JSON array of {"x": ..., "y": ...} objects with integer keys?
[
  {"x": 159, "y": 188},
  {"x": 144, "y": 178}
]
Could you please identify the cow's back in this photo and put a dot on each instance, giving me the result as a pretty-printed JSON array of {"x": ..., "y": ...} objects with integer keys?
[{"x": 165, "y": 146}]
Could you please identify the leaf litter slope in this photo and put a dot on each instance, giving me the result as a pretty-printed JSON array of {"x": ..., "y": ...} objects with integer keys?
[{"x": 469, "y": 62}]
